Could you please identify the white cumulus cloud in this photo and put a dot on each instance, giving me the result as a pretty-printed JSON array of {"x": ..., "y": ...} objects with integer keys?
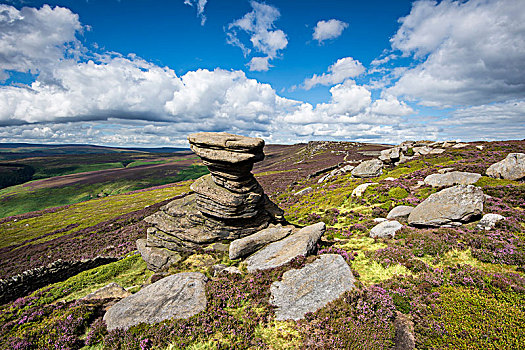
[
  {"x": 338, "y": 72},
  {"x": 472, "y": 52},
  {"x": 331, "y": 29},
  {"x": 264, "y": 37},
  {"x": 32, "y": 39}
]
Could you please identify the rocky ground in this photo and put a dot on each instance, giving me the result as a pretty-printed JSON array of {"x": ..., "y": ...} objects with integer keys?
[{"x": 403, "y": 250}]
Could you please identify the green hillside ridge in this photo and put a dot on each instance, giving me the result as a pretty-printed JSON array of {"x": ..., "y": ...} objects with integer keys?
[{"x": 464, "y": 288}]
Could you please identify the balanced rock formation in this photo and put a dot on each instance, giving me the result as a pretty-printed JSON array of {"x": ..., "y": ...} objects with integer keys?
[
  {"x": 227, "y": 204},
  {"x": 178, "y": 296},
  {"x": 510, "y": 168},
  {"x": 312, "y": 287},
  {"x": 451, "y": 206}
]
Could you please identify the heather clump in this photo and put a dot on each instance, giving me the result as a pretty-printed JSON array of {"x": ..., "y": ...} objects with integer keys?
[{"x": 357, "y": 320}]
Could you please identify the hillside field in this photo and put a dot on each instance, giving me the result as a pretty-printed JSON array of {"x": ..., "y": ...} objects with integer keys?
[{"x": 462, "y": 287}]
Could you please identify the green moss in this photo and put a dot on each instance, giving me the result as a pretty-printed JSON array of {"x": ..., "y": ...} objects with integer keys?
[
  {"x": 474, "y": 319},
  {"x": 464, "y": 257},
  {"x": 485, "y": 181},
  {"x": 279, "y": 335},
  {"x": 127, "y": 272},
  {"x": 371, "y": 272},
  {"x": 398, "y": 193}
]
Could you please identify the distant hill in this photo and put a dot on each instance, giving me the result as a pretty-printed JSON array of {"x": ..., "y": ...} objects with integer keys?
[{"x": 23, "y": 150}]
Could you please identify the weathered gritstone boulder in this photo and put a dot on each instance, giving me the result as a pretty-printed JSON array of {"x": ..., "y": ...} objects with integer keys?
[
  {"x": 156, "y": 258},
  {"x": 310, "y": 288},
  {"x": 385, "y": 229},
  {"x": 453, "y": 205},
  {"x": 369, "y": 168},
  {"x": 391, "y": 155},
  {"x": 177, "y": 296},
  {"x": 400, "y": 213},
  {"x": 276, "y": 254},
  {"x": 227, "y": 204},
  {"x": 510, "y": 168},
  {"x": 249, "y": 244},
  {"x": 452, "y": 178}
]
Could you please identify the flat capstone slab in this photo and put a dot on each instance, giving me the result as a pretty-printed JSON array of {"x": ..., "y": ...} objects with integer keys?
[
  {"x": 177, "y": 296},
  {"x": 224, "y": 140},
  {"x": 310, "y": 288}
]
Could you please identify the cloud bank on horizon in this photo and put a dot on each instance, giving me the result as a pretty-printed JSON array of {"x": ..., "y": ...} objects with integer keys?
[{"x": 454, "y": 70}]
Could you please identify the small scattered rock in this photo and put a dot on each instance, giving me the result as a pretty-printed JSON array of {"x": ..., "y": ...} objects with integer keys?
[
  {"x": 479, "y": 147},
  {"x": 400, "y": 213},
  {"x": 359, "y": 190},
  {"x": 488, "y": 221},
  {"x": 247, "y": 245},
  {"x": 460, "y": 145},
  {"x": 390, "y": 179},
  {"x": 404, "y": 338},
  {"x": 369, "y": 168},
  {"x": 157, "y": 258},
  {"x": 110, "y": 291},
  {"x": 385, "y": 229},
  {"x": 303, "y": 191},
  {"x": 445, "y": 170},
  {"x": 437, "y": 151},
  {"x": 510, "y": 168},
  {"x": 310, "y": 288},
  {"x": 452, "y": 205},
  {"x": 380, "y": 219},
  {"x": 281, "y": 252},
  {"x": 178, "y": 296},
  {"x": 452, "y": 178}
]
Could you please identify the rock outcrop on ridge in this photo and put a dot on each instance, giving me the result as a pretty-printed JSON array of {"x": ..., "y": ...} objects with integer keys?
[
  {"x": 510, "y": 168},
  {"x": 227, "y": 204}
]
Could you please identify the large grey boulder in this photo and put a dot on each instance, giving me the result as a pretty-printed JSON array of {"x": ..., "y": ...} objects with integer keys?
[
  {"x": 310, "y": 288},
  {"x": 156, "y": 258},
  {"x": 452, "y": 178},
  {"x": 369, "y": 168},
  {"x": 385, "y": 229},
  {"x": 390, "y": 155},
  {"x": 400, "y": 213},
  {"x": 247, "y": 245},
  {"x": 452, "y": 205},
  {"x": 276, "y": 254},
  {"x": 177, "y": 296},
  {"x": 510, "y": 168}
]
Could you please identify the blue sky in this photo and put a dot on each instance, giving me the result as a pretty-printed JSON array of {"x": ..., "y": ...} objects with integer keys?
[{"x": 139, "y": 72}]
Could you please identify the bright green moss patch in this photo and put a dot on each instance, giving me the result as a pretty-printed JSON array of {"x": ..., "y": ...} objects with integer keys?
[
  {"x": 128, "y": 272},
  {"x": 280, "y": 335},
  {"x": 371, "y": 272},
  {"x": 474, "y": 319},
  {"x": 491, "y": 182},
  {"x": 398, "y": 193}
]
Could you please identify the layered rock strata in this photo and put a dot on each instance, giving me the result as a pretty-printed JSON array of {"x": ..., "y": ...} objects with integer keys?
[{"x": 227, "y": 204}]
